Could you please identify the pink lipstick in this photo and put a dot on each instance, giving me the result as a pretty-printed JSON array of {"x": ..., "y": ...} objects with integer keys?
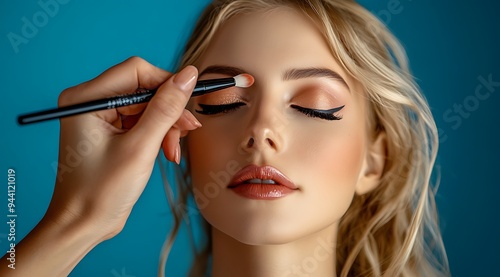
[{"x": 264, "y": 183}]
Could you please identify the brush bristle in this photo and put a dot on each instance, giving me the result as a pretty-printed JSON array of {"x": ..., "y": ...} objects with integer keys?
[{"x": 244, "y": 80}]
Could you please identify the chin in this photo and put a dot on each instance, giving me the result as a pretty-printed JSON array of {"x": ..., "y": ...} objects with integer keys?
[{"x": 258, "y": 229}]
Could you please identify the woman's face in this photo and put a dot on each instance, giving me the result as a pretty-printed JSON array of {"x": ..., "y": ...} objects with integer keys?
[{"x": 273, "y": 125}]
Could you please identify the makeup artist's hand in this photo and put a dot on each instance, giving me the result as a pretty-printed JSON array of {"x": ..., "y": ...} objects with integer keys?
[
  {"x": 103, "y": 168},
  {"x": 104, "y": 164}
]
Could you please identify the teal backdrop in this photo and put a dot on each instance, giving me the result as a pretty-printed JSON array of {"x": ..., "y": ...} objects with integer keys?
[{"x": 49, "y": 45}]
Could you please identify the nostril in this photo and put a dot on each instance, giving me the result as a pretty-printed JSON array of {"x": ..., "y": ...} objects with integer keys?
[
  {"x": 250, "y": 142},
  {"x": 271, "y": 143}
]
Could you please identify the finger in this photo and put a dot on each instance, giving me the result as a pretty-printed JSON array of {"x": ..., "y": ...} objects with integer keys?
[
  {"x": 132, "y": 110},
  {"x": 187, "y": 121},
  {"x": 129, "y": 115},
  {"x": 129, "y": 121},
  {"x": 178, "y": 130},
  {"x": 165, "y": 108},
  {"x": 122, "y": 78},
  {"x": 170, "y": 144}
]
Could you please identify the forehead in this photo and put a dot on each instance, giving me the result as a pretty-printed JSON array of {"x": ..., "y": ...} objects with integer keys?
[{"x": 273, "y": 41}]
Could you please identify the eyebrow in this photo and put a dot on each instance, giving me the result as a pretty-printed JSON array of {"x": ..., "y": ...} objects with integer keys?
[
  {"x": 222, "y": 69},
  {"x": 300, "y": 73},
  {"x": 291, "y": 74}
]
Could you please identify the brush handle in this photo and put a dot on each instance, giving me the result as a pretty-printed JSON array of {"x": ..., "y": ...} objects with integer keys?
[{"x": 96, "y": 105}]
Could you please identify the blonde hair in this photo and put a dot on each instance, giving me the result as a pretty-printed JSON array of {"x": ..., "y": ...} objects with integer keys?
[{"x": 392, "y": 230}]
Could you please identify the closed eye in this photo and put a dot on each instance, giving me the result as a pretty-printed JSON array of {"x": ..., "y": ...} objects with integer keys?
[
  {"x": 217, "y": 109},
  {"x": 323, "y": 114},
  {"x": 226, "y": 108}
]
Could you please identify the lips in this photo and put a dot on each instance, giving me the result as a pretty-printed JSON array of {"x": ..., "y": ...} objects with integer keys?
[{"x": 264, "y": 182}]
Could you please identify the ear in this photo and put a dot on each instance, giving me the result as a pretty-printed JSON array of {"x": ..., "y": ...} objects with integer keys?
[{"x": 373, "y": 165}]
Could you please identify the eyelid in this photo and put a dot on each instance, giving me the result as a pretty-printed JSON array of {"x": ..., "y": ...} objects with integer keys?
[
  {"x": 317, "y": 95},
  {"x": 221, "y": 97}
]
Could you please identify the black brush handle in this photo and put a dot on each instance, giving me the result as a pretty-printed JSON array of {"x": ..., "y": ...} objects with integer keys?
[{"x": 91, "y": 106}]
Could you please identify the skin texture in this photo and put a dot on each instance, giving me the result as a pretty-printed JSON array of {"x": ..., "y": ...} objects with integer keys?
[{"x": 329, "y": 161}]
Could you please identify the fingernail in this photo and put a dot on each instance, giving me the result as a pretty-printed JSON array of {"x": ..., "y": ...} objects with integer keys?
[
  {"x": 177, "y": 154},
  {"x": 185, "y": 79},
  {"x": 197, "y": 123},
  {"x": 193, "y": 120}
]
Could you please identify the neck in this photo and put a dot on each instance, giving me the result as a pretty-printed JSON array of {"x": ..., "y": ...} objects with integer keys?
[{"x": 313, "y": 255}]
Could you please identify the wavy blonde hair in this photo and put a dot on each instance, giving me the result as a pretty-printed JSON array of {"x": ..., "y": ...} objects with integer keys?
[{"x": 392, "y": 230}]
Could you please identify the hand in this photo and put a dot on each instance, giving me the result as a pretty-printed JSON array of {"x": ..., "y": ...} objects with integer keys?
[{"x": 105, "y": 162}]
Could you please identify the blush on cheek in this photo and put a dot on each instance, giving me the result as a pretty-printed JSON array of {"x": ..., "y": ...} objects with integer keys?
[
  {"x": 338, "y": 165},
  {"x": 347, "y": 159}
]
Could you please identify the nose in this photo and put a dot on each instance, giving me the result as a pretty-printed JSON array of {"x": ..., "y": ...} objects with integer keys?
[
  {"x": 262, "y": 141},
  {"x": 264, "y": 132}
]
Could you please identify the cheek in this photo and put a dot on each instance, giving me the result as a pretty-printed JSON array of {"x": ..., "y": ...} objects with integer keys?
[
  {"x": 211, "y": 151},
  {"x": 338, "y": 159},
  {"x": 334, "y": 159},
  {"x": 334, "y": 152}
]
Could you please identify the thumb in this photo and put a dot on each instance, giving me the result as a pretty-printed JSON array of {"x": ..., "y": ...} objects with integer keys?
[{"x": 165, "y": 108}]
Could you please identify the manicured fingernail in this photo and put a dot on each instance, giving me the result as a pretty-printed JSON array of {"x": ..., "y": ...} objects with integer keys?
[
  {"x": 193, "y": 120},
  {"x": 193, "y": 125},
  {"x": 197, "y": 123},
  {"x": 178, "y": 154},
  {"x": 185, "y": 79}
]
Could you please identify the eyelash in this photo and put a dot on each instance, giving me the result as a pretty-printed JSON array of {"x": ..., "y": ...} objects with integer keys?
[
  {"x": 216, "y": 109},
  {"x": 226, "y": 108},
  {"x": 323, "y": 114}
]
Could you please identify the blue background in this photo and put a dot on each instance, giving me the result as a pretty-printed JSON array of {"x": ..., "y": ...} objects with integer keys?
[{"x": 450, "y": 45}]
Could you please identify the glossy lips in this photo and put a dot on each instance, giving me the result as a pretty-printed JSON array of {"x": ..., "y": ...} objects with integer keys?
[{"x": 264, "y": 183}]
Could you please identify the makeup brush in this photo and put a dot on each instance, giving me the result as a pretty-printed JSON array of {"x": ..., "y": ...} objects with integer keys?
[{"x": 202, "y": 87}]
